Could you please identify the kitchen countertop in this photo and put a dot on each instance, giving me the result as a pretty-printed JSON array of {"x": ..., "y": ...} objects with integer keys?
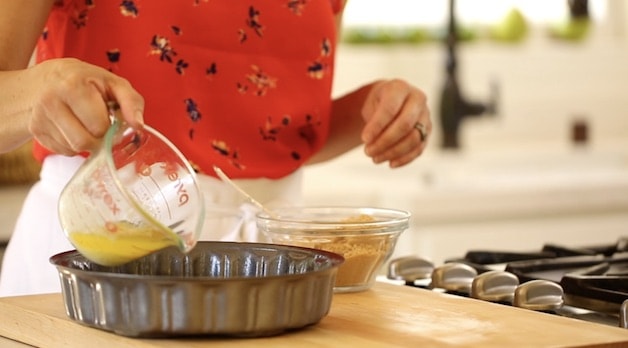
[
  {"x": 502, "y": 185},
  {"x": 388, "y": 315}
]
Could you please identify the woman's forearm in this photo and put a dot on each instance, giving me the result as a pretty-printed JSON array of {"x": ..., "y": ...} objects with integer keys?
[
  {"x": 14, "y": 110},
  {"x": 346, "y": 125},
  {"x": 385, "y": 116},
  {"x": 21, "y": 24}
]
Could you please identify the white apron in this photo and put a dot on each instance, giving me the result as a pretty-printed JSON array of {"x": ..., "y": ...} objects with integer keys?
[{"x": 38, "y": 235}]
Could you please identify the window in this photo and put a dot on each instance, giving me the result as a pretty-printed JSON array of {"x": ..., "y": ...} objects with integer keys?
[{"x": 434, "y": 13}]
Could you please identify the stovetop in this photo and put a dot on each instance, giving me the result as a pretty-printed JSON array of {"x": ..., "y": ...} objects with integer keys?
[{"x": 588, "y": 283}]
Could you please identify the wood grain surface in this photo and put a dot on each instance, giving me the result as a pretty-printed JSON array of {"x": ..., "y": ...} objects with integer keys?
[{"x": 386, "y": 316}]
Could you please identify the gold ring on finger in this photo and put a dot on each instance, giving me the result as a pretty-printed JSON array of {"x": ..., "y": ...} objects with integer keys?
[{"x": 422, "y": 130}]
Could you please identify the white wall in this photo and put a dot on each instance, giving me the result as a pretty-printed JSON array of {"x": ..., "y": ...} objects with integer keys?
[{"x": 544, "y": 83}]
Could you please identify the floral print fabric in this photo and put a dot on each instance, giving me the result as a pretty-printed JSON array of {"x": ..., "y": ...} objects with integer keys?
[{"x": 242, "y": 84}]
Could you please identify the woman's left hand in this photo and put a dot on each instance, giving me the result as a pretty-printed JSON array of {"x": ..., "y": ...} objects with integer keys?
[{"x": 398, "y": 122}]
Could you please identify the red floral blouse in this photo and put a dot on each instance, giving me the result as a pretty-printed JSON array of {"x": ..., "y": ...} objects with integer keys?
[{"x": 244, "y": 84}]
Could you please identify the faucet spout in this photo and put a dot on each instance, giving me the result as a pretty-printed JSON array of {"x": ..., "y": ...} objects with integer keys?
[{"x": 454, "y": 108}]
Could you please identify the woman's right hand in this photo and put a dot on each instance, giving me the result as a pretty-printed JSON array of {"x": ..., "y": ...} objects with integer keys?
[{"x": 69, "y": 113}]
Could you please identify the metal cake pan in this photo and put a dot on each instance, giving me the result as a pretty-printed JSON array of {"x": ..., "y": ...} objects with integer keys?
[{"x": 219, "y": 288}]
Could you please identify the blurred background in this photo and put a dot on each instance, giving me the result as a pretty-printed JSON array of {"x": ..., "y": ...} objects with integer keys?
[{"x": 530, "y": 140}]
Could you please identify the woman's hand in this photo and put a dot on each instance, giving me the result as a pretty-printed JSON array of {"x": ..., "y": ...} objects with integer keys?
[
  {"x": 68, "y": 114},
  {"x": 398, "y": 122}
]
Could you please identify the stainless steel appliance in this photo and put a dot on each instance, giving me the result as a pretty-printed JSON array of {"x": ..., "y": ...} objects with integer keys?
[{"x": 588, "y": 283}]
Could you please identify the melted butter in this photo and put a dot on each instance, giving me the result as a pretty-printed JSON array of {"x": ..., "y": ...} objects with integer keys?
[{"x": 120, "y": 243}]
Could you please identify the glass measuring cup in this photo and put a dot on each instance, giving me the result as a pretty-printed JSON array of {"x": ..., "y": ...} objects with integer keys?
[{"x": 134, "y": 195}]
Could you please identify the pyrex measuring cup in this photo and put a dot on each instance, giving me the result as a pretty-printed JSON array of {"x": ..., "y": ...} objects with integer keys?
[{"x": 134, "y": 195}]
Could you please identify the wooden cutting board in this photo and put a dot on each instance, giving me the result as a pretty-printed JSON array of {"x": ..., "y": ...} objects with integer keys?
[{"x": 386, "y": 316}]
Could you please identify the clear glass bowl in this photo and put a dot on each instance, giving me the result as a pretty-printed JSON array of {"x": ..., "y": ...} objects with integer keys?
[{"x": 364, "y": 236}]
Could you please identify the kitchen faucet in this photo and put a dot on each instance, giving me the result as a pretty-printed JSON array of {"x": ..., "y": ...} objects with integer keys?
[{"x": 454, "y": 107}]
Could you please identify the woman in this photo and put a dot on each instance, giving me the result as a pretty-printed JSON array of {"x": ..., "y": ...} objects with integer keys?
[{"x": 245, "y": 85}]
